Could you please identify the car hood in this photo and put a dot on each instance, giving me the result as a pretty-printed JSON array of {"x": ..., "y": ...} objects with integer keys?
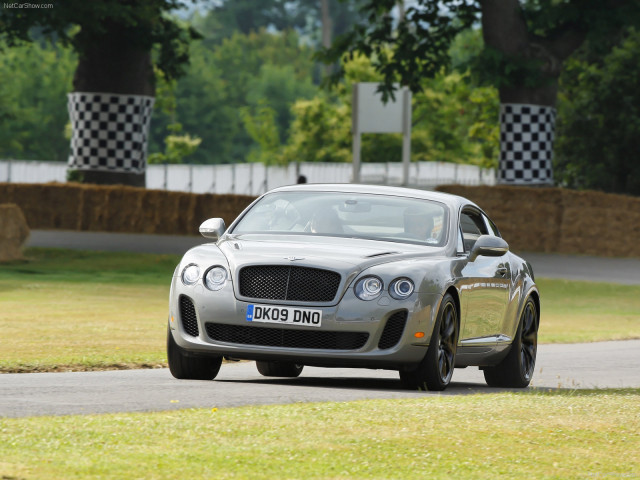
[{"x": 348, "y": 256}]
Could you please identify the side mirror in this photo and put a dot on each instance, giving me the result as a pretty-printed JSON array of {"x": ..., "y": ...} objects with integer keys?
[
  {"x": 212, "y": 228},
  {"x": 488, "y": 246}
]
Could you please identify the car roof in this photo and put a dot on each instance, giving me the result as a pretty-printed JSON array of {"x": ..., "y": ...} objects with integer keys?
[{"x": 446, "y": 198}]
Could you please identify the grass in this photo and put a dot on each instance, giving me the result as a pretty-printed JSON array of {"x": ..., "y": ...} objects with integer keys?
[
  {"x": 74, "y": 310},
  {"x": 554, "y": 435},
  {"x": 588, "y": 312}
]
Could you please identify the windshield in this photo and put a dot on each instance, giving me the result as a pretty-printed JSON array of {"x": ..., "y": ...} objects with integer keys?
[{"x": 353, "y": 215}]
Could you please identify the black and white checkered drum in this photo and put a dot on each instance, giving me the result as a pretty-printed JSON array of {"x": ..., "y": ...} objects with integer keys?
[
  {"x": 109, "y": 131},
  {"x": 526, "y": 144}
]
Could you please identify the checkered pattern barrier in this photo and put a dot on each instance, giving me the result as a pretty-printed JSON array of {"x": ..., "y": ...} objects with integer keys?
[
  {"x": 526, "y": 144},
  {"x": 109, "y": 131}
]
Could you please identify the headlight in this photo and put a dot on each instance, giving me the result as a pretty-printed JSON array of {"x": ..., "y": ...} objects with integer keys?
[
  {"x": 368, "y": 288},
  {"x": 190, "y": 274},
  {"x": 401, "y": 288},
  {"x": 215, "y": 278}
]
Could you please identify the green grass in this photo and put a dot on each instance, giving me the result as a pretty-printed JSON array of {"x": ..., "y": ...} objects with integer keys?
[
  {"x": 554, "y": 435},
  {"x": 68, "y": 310},
  {"x": 587, "y": 312}
]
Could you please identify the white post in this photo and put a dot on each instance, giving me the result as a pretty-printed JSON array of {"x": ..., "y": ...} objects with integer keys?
[
  {"x": 406, "y": 135},
  {"x": 355, "y": 129}
]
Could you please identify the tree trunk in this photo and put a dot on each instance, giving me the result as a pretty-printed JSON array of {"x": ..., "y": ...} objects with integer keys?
[
  {"x": 110, "y": 108},
  {"x": 327, "y": 28},
  {"x": 527, "y": 118}
]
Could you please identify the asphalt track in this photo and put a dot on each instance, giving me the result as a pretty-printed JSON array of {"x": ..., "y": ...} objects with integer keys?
[{"x": 575, "y": 366}]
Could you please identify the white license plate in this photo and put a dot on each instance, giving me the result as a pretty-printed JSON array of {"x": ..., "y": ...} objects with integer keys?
[{"x": 287, "y": 315}]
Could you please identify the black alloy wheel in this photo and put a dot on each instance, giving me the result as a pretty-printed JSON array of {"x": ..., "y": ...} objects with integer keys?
[
  {"x": 188, "y": 367},
  {"x": 516, "y": 369},
  {"x": 436, "y": 369},
  {"x": 279, "y": 369}
]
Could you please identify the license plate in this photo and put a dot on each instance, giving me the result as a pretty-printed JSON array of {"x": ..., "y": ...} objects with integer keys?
[{"x": 284, "y": 315}]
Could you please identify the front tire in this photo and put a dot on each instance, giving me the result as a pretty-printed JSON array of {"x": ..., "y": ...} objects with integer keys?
[
  {"x": 516, "y": 369},
  {"x": 279, "y": 369},
  {"x": 186, "y": 367},
  {"x": 436, "y": 369}
]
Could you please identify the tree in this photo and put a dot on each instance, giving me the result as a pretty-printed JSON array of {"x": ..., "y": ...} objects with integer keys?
[
  {"x": 526, "y": 43},
  {"x": 452, "y": 121},
  {"x": 114, "y": 41},
  {"x": 273, "y": 69},
  {"x": 35, "y": 81},
  {"x": 599, "y": 126}
]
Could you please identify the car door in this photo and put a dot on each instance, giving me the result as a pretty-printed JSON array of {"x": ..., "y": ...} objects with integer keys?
[{"x": 484, "y": 284}]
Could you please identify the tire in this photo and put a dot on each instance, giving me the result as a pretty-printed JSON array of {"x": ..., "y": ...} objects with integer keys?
[
  {"x": 516, "y": 369},
  {"x": 279, "y": 369},
  {"x": 434, "y": 372},
  {"x": 186, "y": 367}
]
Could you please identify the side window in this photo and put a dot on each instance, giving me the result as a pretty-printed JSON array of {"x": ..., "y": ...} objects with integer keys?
[
  {"x": 493, "y": 230},
  {"x": 472, "y": 225},
  {"x": 460, "y": 242}
]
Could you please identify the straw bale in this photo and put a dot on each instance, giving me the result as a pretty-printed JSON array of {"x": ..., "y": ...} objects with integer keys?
[{"x": 14, "y": 231}]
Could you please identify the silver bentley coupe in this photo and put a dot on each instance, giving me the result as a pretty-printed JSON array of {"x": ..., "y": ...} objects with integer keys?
[{"x": 356, "y": 276}]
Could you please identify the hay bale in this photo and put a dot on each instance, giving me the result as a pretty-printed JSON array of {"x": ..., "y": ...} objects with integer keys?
[{"x": 13, "y": 232}]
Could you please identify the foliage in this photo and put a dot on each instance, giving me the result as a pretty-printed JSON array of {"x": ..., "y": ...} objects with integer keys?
[
  {"x": 419, "y": 46},
  {"x": 261, "y": 126},
  {"x": 244, "y": 71},
  {"x": 177, "y": 147},
  {"x": 145, "y": 22},
  {"x": 246, "y": 16},
  {"x": 599, "y": 122},
  {"x": 33, "y": 95},
  {"x": 452, "y": 121}
]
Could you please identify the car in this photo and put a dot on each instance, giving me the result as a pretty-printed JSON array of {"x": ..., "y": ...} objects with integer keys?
[{"x": 359, "y": 276}]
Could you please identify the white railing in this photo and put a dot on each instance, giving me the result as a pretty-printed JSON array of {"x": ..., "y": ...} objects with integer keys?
[{"x": 256, "y": 178}]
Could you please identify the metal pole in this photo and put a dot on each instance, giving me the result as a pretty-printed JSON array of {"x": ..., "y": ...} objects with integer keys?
[
  {"x": 406, "y": 135},
  {"x": 355, "y": 176}
]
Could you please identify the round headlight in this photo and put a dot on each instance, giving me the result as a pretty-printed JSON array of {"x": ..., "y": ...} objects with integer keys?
[
  {"x": 401, "y": 288},
  {"x": 215, "y": 278},
  {"x": 368, "y": 288},
  {"x": 190, "y": 274}
]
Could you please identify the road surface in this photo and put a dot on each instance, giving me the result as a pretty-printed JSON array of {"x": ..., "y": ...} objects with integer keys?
[{"x": 575, "y": 366}]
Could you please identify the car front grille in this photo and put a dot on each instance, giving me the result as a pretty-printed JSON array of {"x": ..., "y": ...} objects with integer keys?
[
  {"x": 393, "y": 330},
  {"x": 285, "y": 337},
  {"x": 188, "y": 316},
  {"x": 284, "y": 282}
]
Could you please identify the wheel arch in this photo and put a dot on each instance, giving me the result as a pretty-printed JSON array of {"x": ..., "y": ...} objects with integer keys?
[
  {"x": 456, "y": 298},
  {"x": 535, "y": 296}
]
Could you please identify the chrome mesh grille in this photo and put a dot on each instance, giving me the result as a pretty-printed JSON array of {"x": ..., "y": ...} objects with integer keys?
[
  {"x": 393, "y": 330},
  {"x": 286, "y": 337},
  {"x": 284, "y": 282},
  {"x": 188, "y": 316}
]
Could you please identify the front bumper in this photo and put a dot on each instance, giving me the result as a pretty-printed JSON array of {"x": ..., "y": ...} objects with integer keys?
[{"x": 382, "y": 333}]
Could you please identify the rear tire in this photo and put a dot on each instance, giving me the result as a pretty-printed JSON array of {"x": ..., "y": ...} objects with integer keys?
[
  {"x": 186, "y": 367},
  {"x": 279, "y": 369},
  {"x": 434, "y": 372},
  {"x": 516, "y": 369}
]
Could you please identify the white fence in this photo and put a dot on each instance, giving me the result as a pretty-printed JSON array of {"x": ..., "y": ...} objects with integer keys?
[{"x": 255, "y": 178}]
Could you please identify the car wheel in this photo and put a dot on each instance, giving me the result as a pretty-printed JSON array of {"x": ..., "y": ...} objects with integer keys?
[
  {"x": 279, "y": 369},
  {"x": 436, "y": 369},
  {"x": 516, "y": 369},
  {"x": 186, "y": 367}
]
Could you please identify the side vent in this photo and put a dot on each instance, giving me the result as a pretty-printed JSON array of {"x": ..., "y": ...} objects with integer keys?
[
  {"x": 188, "y": 316},
  {"x": 393, "y": 330}
]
